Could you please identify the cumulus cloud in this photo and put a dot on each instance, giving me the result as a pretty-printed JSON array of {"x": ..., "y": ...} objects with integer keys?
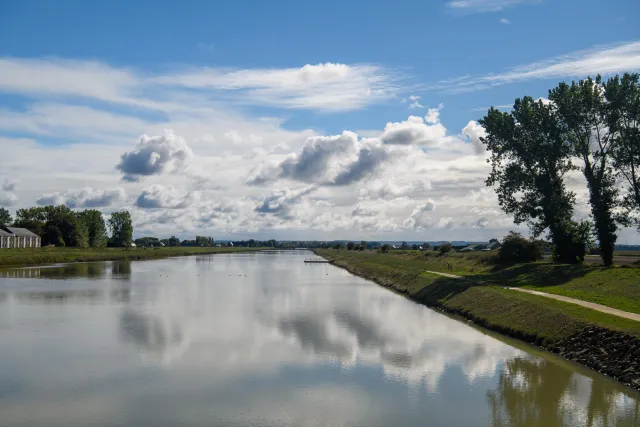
[
  {"x": 420, "y": 218},
  {"x": 433, "y": 115},
  {"x": 8, "y": 199},
  {"x": 413, "y": 131},
  {"x": 159, "y": 196},
  {"x": 473, "y": 132},
  {"x": 370, "y": 157},
  {"x": 279, "y": 203},
  {"x": 313, "y": 162},
  {"x": 154, "y": 155},
  {"x": 10, "y": 184},
  {"x": 84, "y": 198}
]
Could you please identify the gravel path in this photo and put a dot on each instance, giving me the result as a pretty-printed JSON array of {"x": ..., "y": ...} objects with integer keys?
[{"x": 591, "y": 305}]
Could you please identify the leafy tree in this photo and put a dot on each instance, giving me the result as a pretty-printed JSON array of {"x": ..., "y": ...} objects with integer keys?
[
  {"x": 426, "y": 246},
  {"x": 385, "y": 248},
  {"x": 583, "y": 114},
  {"x": 174, "y": 241},
  {"x": 445, "y": 248},
  {"x": 350, "y": 246},
  {"x": 529, "y": 158},
  {"x": 493, "y": 240},
  {"x": 404, "y": 246},
  {"x": 623, "y": 96},
  {"x": 121, "y": 228},
  {"x": 96, "y": 228},
  {"x": 5, "y": 217},
  {"x": 52, "y": 235},
  {"x": 363, "y": 245},
  {"x": 414, "y": 247},
  {"x": 516, "y": 248},
  {"x": 33, "y": 219}
]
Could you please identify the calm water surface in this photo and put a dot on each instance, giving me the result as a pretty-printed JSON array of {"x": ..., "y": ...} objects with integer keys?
[{"x": 266, "y": 340}]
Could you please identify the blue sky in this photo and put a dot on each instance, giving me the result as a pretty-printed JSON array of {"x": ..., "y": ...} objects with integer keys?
[{"x": 228, "y": 77}]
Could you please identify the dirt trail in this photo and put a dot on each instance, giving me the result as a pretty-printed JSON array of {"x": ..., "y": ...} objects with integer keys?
[{"x": 587, "y": 304}]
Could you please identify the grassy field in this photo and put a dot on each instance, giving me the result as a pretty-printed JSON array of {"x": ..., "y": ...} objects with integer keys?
[
  {"x": 533, "y": 317},
  {"x": 617, "y": 287},
  {"x": 41, "y": 256}
]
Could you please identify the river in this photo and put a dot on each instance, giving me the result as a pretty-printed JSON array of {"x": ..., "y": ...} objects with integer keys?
[{"x": 263, "y": 339}]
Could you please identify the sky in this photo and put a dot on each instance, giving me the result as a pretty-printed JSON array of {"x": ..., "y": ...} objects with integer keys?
[{"x": 286, "y": 119}]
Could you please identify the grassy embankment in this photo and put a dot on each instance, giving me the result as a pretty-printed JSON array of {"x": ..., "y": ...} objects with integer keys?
[
  {"x": 534, "y": 318},
  {"x": 41, "y": 256}
]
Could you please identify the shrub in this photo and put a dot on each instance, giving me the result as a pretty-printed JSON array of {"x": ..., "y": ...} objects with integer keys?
[
  {"x": 516, "y": 248},
  {"x": 385, "y": 248},
  {"x": 446, "y": 248}
]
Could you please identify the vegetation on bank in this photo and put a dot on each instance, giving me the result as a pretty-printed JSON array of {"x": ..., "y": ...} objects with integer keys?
[
  {"x": 534, "y": 316},
  {"x": 41, "y": 256},
  {"x": 592, "y": 126}
]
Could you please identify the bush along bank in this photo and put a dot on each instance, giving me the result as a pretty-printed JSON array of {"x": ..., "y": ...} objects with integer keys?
[{"x": 605, "y": 343}]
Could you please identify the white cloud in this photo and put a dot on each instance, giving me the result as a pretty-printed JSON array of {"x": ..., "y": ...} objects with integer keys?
[
  {"x": 154, "y": 155},
  {"x": 415, "y": 102},
  {"x": 473, "y": 132},
  {"x": 279, "y": 203},
  {"x": 479, "y": 6},
  {"x": 84, "y": 198},
  {"x": 10, "y": 184},
  {"x": 420, "y": 218},
  {"x": 159, "y": 196},
  {"x": 604, "y": 60},
  {"x": 413, "y": 131},
  {"x": 330, "y": 86},
  {"x": 505, "y": 21}
]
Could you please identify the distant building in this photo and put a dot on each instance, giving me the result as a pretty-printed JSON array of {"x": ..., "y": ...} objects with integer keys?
[{"x": 14, "y": 237}]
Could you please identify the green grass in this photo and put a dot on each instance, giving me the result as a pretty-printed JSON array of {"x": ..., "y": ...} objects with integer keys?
[
  {"x": 617, "y": 287},
  {"x": 535, "y": 318},
  {"x": 41, "y": 256}
]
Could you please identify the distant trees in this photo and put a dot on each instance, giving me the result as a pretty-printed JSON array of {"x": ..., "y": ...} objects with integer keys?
[
  {"x": 426, "y": 246},
  {"x": 350, "y": 246},
  {"x": 5, "y": 217},
  {"x": 121, "y": 229},
  {"x": 363, "y": 245},
  {"x": 385, "y": 248}
]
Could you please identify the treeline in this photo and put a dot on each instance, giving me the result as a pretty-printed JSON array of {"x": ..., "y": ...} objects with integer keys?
[
  {"x": 174, "y": 241},
  {"x": 592, "y": 126},
  {"x": 61, "y": 226}
]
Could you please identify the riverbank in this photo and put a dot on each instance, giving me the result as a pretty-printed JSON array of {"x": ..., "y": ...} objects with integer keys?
[
  {"x": 603, "y": 342},
  {"x": 42, "y": 256}
]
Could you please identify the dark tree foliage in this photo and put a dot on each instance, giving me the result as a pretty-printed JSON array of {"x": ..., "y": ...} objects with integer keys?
[
  {"x": 529, "y": 158},
  {"x": 623, "y": 97},
  {"x": 5, "y": 217},
  {"x": 385, "y": 248},
  {"x": 445, "y": 248},
  {"x": 350, "y": 246},
  {"x": 584, "y": 116},
  {"x": 363, "y": 245},
  {"x": 516, "y": 248},
  {"x": 121, "y": 229}
]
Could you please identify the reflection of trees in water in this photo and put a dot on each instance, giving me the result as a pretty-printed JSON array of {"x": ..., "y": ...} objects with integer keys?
[
  {"x": 536, "y": 392},
  {"x": 121, "y": 269}
]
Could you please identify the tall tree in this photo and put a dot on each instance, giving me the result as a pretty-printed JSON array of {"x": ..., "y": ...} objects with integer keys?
[
  {"x": 121, "y": 228},
  {"x": 529, "y": 158},
  {"x": 33, "y": 219},
  {"x": 96, "y": 228},
  {"x": 583, "y": 114},
  {"x": 5, "y": 217},
  {"x": 623, "y": 96}
]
